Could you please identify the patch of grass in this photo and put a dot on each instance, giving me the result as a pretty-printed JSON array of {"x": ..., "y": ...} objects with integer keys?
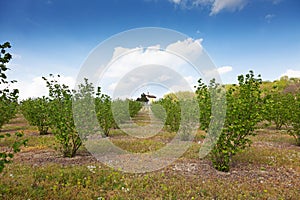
[
  {"x": 16, "y": 127},
  {"x": 270, "y": 156},
  {"x": 193, "y": 151},
  {"x": 275, "y": 136},
  {"x": 94, "y": 182},
  {"x": 47, "y": 141},
  {"x": 138, "y": 145},
  {"x": 270, "y": 170}
]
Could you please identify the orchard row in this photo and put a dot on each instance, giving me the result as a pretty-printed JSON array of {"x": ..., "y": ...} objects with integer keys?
[{"x": 229, "y": 114}]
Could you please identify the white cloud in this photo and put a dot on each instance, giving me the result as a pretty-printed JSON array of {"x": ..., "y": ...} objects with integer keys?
[
  {"x": 224, "y": 69},
  {"x": 130, "y": 68},
  {"x": 119, "y": 51},
  {"x": 125, "y": 60},
  {"x": 193, "y": 81},
  {"x": 175, "y": 1},
  {"x": 231, "y": 5},
  {"x": 164, "y": 78},
  {"x": 292, "y": 73},
  {"x": 37, "y": 86},
  {"x": 188, "y": 48},
  {"x": 217, "y": 72},
  {"x": 269, "y": 17},
  {"x": 275, "y": 1},
  {"x": 216, "y": 6}
]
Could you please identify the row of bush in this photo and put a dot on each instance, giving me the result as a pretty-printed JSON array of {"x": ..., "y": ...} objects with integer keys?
[
  {"x": 63, "y": 105},
  {"x": 230, "y": 115}
]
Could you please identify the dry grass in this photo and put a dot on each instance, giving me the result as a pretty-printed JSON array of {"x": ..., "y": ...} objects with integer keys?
[{"x": 269, "y": 169}]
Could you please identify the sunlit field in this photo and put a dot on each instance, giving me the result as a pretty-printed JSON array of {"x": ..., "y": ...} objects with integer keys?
[{"x": 269, "y": 169}]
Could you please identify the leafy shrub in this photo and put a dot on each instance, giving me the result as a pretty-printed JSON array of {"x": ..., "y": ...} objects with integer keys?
[
  {"x": 104, "y": 112},
  {"x": 36, "y": 112},
  {"x": 61, "y": 116},
  {"x": 123, "y": 110},
  {"x": 172, "y": 112},
  {"x": 242, "y": 116},
  {"x": 179, "y": 114},
  {"x": 6, "y": 156},
  {"x": 8, "y": 97},
  {"x": 203, "y": 95},
  {"x": 189, "y": 118},
  {"x": 276, "y": 108},
  {"x": 8, "y": 105},
  {"x": 134, "y": 107},
  {"x": 294, "y": 106}
]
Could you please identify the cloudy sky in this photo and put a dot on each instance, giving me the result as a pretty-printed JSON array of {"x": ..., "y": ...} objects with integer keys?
[{"x": 57, "y": 36}]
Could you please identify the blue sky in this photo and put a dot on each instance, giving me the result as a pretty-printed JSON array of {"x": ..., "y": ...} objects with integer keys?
[{"x": 56, "y": 36}]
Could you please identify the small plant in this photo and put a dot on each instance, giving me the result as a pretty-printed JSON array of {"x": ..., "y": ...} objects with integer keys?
[
  {"x": 242, "y": 115},
  {"x": 171, "y": 114},
  {"x": 189, "y": 118},
  {"x": 7, "y": 155},
  {"x": 123, "y": 110},
  {"x": 61, "y": 116},
  {"x": 134, "y": 107},
  {"x": 294, "y": 106},
  {"x": 104, "y": 112},
  {"x": 8, "y": 97},
  {"x": 204, "y": 101},
  {"x": 36, "y": 113},
  {"x": 8, "y": 105},
  {"x": 277, "y": 109}
]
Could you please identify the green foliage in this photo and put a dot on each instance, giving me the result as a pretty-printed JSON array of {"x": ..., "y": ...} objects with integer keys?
[
  {"x": 277, "y": 109},
  {"x": 120, "y": 111},
  {"x": 189, "y": 119},
  {"x": 242, "y": 116},
  {"x": 181, "y": 95},
  {"x": 134, "y": 107},
  {"x": 61, "y": 116},
  {"x": 36, "y": 113},
  {"x": 281, "y": 105},
  {"x": 8, "y": 107},
  {"x": 6, "y": 156},
  {"x": 179, "y": 111},
  {"x": 294, "y": 106},
  {"x": 123, "y": 110},
  {"x": 83, "y": 105},
  {"x": 179, "y": 115},
  {"x": 8, "y": 97},
  {"x": 203, "y": 94},
  {"x": 172, "y": 113},
  {"x": 104, "y": 112}
]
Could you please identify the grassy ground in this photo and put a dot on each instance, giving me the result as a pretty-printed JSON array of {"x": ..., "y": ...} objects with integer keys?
[{"x": 269, "y": 169}]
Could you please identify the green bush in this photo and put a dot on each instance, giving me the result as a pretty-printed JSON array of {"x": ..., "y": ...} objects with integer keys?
[
  {"x": 134, "y": 107},
  {"x": 203, "y": 95},
  {"x": 61, "y": 117},
  {"x": 104, "y": 112},
  {"x": 8, "y": 108},
  {"x": 171, "y": 114},
  {"x": 242, "y": 115},
  {"x": 294, "y": 109},
  {"x": 123, "y": 110},
  {"x": 8, "y": 154},
  {"x": 36, "y": 112},
  {"x": 8, "y": 97},
  {"x": 277, "y": 109}
]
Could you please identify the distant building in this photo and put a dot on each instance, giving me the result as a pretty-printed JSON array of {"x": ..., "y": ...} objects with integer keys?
[{"x": 151, "y": 98}]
